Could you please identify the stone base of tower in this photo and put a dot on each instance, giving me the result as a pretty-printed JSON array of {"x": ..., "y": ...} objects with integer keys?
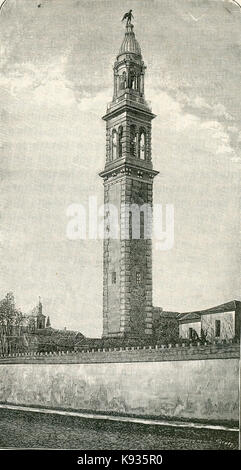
[{"x": 128, "y": 335}]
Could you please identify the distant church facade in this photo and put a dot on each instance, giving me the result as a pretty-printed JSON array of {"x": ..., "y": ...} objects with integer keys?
[{"x": 37, "y": 320}]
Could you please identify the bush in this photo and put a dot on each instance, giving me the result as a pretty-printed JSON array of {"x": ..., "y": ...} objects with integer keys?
[{"x": 51, "y": 340}]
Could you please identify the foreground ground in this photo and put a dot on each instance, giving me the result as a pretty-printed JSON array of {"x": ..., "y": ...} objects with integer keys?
[{"x": 20, "y": 429}]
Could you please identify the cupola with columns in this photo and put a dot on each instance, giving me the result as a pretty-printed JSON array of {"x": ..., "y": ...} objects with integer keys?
[{"x": 129, "y": 68}]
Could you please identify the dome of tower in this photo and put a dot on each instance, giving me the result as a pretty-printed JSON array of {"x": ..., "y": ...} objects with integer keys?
[{"x": 130, "y": 45}]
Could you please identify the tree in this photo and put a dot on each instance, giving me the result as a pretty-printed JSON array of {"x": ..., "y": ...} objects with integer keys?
[
  {"x": 48, "y": 324},
  {"x": 11, "y": 319},
  {"x": 19, "y": 320},
  {"x": 165, "y": 330}
]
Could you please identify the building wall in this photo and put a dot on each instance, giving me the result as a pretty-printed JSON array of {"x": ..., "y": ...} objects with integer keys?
[
  {"x": 184, "y": 329},
  {"x": 184, "y": 389},
  {"x": 227, "y": 324}
]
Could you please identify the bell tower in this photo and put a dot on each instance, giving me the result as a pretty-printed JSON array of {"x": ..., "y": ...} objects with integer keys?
[{"x": 128, "y": 186}]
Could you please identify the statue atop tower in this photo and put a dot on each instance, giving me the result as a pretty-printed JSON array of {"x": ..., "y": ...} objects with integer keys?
[{"x": 128, "y": 16}]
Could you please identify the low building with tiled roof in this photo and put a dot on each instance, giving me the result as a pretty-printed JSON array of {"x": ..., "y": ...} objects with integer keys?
[{"x": 220, "y": 322}]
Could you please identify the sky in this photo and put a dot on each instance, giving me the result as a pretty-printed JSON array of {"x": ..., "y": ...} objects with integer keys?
[{"x": 55, "y": 82}]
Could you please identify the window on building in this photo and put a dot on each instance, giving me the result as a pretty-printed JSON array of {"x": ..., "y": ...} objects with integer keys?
[
  {"x": 142, "y": 224},
  {"x": 132, "y": 78},
  {"x": 138, "y": 278},
  {"x": 190, "y": 333},
  {"x": 142, "y": 145},
  {"x": 137, "y": 84},
  {"x": 217, "y": 328},
  {"x": 120, "y": 135},
  {"x": 130, "y": 225},
  {"x": 114, "y": 277},
  {"x": 114, "y": 144},
  {"x": 133, "y": 140},
  {"x": 123, "y": 81}
]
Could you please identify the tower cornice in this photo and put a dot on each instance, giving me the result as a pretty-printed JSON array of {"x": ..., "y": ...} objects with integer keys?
[
  {"x": 117, "y": 108},
  {"x": 128, "y": 169}
]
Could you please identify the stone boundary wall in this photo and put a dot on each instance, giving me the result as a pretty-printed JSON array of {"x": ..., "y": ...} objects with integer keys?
[
  {"x": 157, "y": 353},
  {"x": 206, "y": 390}
]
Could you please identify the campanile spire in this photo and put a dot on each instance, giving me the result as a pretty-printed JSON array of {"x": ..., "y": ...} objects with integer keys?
[
  {"x": 129, "y": 68},
  {"x": 128, "y": 184}
]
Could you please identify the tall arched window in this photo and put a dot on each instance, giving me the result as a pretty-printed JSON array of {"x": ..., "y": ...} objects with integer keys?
[
  {"x": 132, "y": 77},
  {"x": 114, "y": 145},
  {"x": 142, "y": 144},
  {"x": 123, "y": 81},
  {"x": 120, "y": 135},
  {"x": 135, "y": 83},
  {"x": 133, "y": 140}
]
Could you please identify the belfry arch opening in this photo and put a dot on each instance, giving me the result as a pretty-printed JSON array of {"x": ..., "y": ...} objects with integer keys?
[
  {"x": 142, "y": 144},
  {"x": 133, "y": 140},
  {"x": 120, "y": 137},
  {"x": 134, "y": 80},
  {"x": 123, "y": 81},
  {"x": 114, "y": 144}
]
